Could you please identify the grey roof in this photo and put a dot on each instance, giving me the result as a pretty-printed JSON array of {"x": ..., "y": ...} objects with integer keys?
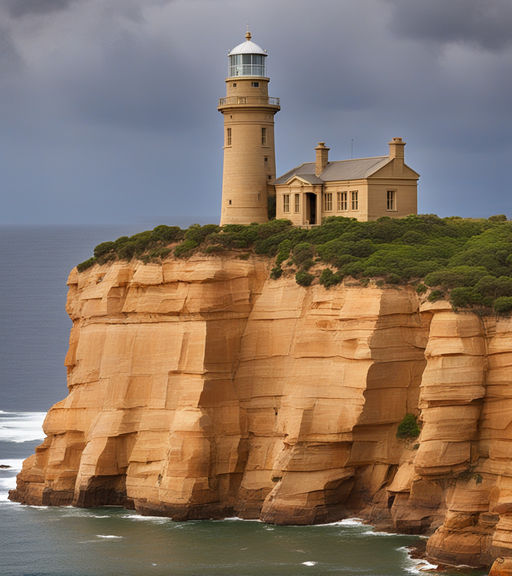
[{"x": 339, "y": 170}]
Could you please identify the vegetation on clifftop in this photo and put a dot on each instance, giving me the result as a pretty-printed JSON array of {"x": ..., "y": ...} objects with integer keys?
[{"x": 468, "y": 261}]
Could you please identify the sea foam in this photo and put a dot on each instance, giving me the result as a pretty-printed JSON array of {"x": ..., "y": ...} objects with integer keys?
[
  {"x": 8, "y": 476},
  {"x": 416, "y": 565},
  {"x": 21, "y": 426}
]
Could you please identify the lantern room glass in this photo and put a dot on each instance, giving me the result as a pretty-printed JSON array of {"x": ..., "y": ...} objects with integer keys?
[{"x": 247, "y": 65}]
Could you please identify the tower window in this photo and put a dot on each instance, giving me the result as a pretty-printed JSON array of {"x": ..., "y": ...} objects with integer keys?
[
  {"x": 255, "y": 84},
  {"x": 391, "y": 200},
  {"x": 266, "y": 159},
  {"x": 269, "y": 177},
  {"x": 234, "y": 84},
  {"x": 228, "y": 136},
  {"x": 297, "y": 203},
  {"x": 328, "y": 201},
  {"x": 263, "y": 136},
  {"x": 230, "y": 202},
  {"x": 342, "y": 201},
  {"x": 354, "y": 196},
  {"x": 286, "y": 202}
]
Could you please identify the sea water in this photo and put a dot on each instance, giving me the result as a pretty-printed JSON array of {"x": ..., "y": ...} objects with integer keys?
[{"x": 68, "y": 541}]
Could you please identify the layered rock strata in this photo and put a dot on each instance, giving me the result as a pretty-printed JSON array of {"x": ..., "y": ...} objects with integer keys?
[{"x": 202, "y": 388}]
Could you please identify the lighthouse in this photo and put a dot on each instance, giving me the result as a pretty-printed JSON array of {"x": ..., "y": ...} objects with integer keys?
[{"x": 249, "y": 169}]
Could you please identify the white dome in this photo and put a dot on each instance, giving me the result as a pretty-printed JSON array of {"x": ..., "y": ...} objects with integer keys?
[{"x": 247, "y": 47}]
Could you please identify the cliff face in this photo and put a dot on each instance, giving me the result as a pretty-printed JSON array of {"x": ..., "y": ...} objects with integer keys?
[{"x": 202, "y": 388}]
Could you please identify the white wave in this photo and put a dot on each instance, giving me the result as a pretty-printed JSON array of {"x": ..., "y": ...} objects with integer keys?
[
  {"x": 141, "y": 518},
  {"x": 21, "y": 426},
  {"x": 100, "y": 516},
  {"x": 351, "y": 522},
  {"x": 345, "y": 522},
  {"x": 416, "y": 565},
  {"x": 377, "y": 533},
  {"x": 6, "y": 484},
  {"x": 8, "y": 476},
  {"x": 238, "y": 519},
  {"x": 309, "y": 563},
  {"x": 109, "y": 536},
  {"x": 14, "y": 464}
]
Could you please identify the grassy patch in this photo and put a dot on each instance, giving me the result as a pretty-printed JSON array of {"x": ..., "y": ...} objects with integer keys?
[{"x": 466, "y": 260}]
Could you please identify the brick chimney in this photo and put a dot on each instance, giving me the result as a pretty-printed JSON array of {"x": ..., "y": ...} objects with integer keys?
[
  {"x": 322, "y": 158},
  {"x": 396, "y": 149}
]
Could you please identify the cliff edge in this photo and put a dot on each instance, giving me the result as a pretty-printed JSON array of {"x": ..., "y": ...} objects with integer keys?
[{"x": 202, "y": 388}]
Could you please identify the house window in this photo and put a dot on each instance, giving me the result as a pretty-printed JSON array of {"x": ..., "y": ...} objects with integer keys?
[
  {"x": 255, "y": 84},
  {"x": 286, "y": 202},
  {"x": 297, "y": 203},
  {"x": 328, "y": 201},
  {"x": 228, "y": 137},
  {"x": 342, "y": 201},
  {"x": 354, "y": 196},
  {"x": 263, "y": 136},
  {"x": 391, "y": 200}
]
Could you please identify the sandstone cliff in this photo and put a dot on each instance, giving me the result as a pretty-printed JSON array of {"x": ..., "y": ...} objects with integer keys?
[{"x": 202, "y": 388}]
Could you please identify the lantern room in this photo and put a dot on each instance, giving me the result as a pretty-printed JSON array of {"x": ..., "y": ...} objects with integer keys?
[{"x": 247, "y": 59}]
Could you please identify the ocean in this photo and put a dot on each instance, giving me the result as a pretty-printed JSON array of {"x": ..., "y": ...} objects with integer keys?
[{"x": 47, "y": 541}]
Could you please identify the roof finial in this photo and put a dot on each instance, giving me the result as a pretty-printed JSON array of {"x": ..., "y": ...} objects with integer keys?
[{"x": 248, "y": 34}]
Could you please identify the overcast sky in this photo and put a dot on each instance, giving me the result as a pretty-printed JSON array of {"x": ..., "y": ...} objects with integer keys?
[{"x": 108, "y": 107}]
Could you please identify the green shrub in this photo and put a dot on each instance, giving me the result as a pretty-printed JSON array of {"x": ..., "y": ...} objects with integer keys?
[
  {"x": 159, "y": 253},
  {"x": 283, "y": 251},
  {"x": 168, "y": 233},
  {"x": 465, "y": 297},
  {"x": 126, "y": 251},
  {"x": 276, "y": 272},
  {"x": 86, "y": 264},
  {"x": 394, "y": 279},
  {"x": 408, "y": 427},
  {"x": 303, "y": 252},
  {"x": 304, "y": 278},
  {"x": 328, "y": 278},
  {"x": 185, "y": 248},
  {"x": 103, "y": 249},
  {"x": 421, "y": 288},
  {"x": 198, "y": 234},
  {"x": 435, "y": 295},
  {"x": 214, "y": 248},
  {"x": 503, "y": 305},
  {"x": 456, "y": 276}
]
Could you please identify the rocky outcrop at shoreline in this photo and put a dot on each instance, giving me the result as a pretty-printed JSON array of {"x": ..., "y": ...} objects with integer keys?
[{"x": 202, "y": 388}]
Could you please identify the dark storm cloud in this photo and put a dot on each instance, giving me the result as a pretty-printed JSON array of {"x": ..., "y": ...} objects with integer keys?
[
  {"x": 10, "y": 59},
  {"x": 112, "y": 114},
  {"x": 484, "y": 23},
  {"x": 20, "y": 8},
  {"x": 138, "y": 83}
]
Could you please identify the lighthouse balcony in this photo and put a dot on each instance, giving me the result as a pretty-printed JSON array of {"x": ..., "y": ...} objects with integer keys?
[{"x": 249, "y": 100}]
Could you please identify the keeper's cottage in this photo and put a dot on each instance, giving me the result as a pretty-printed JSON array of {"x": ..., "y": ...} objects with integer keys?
[{"x": 361, "y": 188}]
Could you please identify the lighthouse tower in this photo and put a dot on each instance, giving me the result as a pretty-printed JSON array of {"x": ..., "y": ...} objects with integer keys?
[{"x": 249, "y": 157}]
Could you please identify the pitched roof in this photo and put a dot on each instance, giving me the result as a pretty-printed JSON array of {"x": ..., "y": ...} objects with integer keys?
[{"x": 339, "y": 170}]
